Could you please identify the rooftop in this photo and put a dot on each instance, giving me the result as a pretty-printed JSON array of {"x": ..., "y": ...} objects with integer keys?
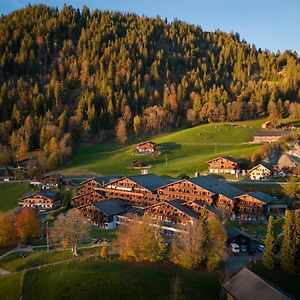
[
  {"x": 112, "y": 207},
  {"x": 48, "y": 194},
  {"x": 179, "y": 204},
  {"x": 272, "y": 133},
  {"x": 262, "y": 197},
  {"x": 104, "y": 179}
]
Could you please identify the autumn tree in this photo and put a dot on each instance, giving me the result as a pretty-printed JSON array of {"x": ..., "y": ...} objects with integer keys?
[
  {"x": 121, "y": 133},
  {"x": 288, "y": 251},
  {"x": 8, "y": 232},
  {"x": 69, "y": 229},
  {"x": 268, "y": 255},
  {"x": 104, "y": 251},
  {"x": 140, "y": 240},
  {"x": 291, "y": 188},
  {"x": 27, "y": 223},
  {"x": 137, "y": 125}
]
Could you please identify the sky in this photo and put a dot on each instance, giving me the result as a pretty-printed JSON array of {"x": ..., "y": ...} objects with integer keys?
[{"x": 269, "y": 24}]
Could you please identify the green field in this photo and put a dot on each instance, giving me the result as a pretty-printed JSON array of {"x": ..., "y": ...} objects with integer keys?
[
  {"x": 184, "y": 151},
  {"x": 108, "y": 279},
  {"x": 10, "y": 194}
]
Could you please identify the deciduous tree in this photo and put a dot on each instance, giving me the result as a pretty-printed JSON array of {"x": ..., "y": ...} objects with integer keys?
[{"x": 8, "y": 232}]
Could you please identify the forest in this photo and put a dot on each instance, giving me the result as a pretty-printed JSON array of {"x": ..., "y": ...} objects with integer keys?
[{"x": 73, "y": 76}]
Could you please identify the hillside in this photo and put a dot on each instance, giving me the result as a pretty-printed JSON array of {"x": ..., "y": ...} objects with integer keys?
[
  {"x": 186, "y": 151},
  {"x": 68, "y": 76}
]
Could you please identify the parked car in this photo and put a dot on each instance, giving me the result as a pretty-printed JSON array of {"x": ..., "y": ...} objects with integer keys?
[
  {"x": 260, "y": 248},
  {"x": 234, "y": 248},
  {"x": 243, "y": 248},
  {"x": 251, "y": 251}
]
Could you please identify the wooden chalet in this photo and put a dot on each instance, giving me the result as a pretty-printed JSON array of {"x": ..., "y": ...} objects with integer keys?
[
  {"x": 268, "y": 125},
  {"x": 51, "y": 181},
  {"x": 30, "y": 162},
  {"x": 198, "y": 207},
  {"x": 147, "y": 148},
  {"x": 138, "y": 164},
  {"x": 87, "y": 198},
  {"x": 96, "y": 182},
  {"x": 172, "y": 212},
  {"x": 253, "y": 206},
  {"x": 138, "y": 190},
  {"x": 260, "y": 172},
  {"x": 41, "y": 200},
  {"x": 224, "y": 165},
  {"x": 268, "y": 136},
  {"x": 102, "y": 213}
]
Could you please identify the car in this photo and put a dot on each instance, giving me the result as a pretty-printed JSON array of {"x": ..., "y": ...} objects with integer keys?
[
  {"x": 251, "y": 251},
  {"x": 260, "y": 248},
  {"x": 234, "y": 248},
  {"x": 243, "y": 248}
]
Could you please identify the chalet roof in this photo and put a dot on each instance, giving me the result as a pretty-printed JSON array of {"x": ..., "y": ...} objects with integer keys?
[
  {"x": 89, "y": 192},
  {"x": 210, "y": 208},
  {"x": 287, "y": 160},
  {"x": 225, "y": 157},
  {"x": 148, "y": 142},
  {"x": 217, "y": 187},
  {"x": 112, "y": 207},
  {"x": 262, "y": 197},
  {"x": 56, "y": 176},
  {"x": 246, "y": 285},
  {"x": 232, "y": 232},
  {"x": 104, "y": 179},
  {"x": 151, "y": 182},
  {"x": 272, "y": 133},
  {"x": 179, "y": 204},
  {"x": 267, "y": 166},
  {"x": 52, "y": 195}
]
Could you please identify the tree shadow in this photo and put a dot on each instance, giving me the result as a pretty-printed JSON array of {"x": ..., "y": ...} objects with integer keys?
[{"x": 170, "y": 146}]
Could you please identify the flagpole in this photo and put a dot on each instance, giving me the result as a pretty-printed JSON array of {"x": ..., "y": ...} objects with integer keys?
[{"x": 47, "y": 235}]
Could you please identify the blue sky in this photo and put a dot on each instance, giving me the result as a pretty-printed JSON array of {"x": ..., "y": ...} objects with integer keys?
[{"x": 269, "y": 24}]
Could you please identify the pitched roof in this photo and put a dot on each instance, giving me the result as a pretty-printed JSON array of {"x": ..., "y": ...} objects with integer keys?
[
  {"x": 272, "y": 133},
  {"x": 265, "y": 165},
  {"x": 246, "y": 285},
  {"x": 89, "y": 192},
  {"x": 47, "y": 194},
  {"x": 151, "y": 182},
  {"x": 56, "y": 176},
  {"x": 262, "y": 197},
  {"x": 179, "y": 204},
  {"x": 104, "y": 179},
  {"x": 217, "y": 187},
  {"x": 111, "y": 207},
  {"x": 148, "y": 142},
  {"x": 225, "y": 157},
  {"x": 233, "y": 232}
]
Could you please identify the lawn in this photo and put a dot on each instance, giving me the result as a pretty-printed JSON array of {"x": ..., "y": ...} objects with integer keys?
[
  {"x": 10, "y": 194},
  {"x": 184, "y": 151},
  {"x": 113, "y": 279},
  {"x": 11, "y": 287},
  {"x": 288, "y": 283}
]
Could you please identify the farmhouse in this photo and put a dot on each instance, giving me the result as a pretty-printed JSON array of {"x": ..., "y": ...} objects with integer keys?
[
  {"x": 27, "y": 163},
  {"x": 42, "y": 200},
  {"x": 147, "y": 148},
  {"x": 268, "y": 125},
  {"x": 246, "y": 285},
  {"x": 50, "y": 181},
  {"x": 260, "y": 172},
  {"x": 270, "y": 136},
  {"x": 224, "y": 165},
  {"x": 287, "y": 161},
  {"x": 253, "y": 206},
  {"x": 102, "y": 213}
]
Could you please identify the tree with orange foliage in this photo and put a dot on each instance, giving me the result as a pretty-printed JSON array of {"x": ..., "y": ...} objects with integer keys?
[
  {"x": 27, "y": 223},
  {"x": 8, "y": 234}
]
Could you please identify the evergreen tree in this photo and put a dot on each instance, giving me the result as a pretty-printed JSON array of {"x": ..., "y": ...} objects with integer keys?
[{"x": 268, "y": 256}]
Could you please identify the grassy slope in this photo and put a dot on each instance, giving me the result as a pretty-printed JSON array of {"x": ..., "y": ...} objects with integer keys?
[
  {"x": 96, "y": 279},
  {"x": 186, "y": 151},
  {"x": 10, "y": 194},
  {"x": 11, "y": 287}
]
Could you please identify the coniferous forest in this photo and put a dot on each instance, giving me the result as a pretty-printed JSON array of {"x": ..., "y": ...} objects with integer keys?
[{"x": 74, "y": 76}]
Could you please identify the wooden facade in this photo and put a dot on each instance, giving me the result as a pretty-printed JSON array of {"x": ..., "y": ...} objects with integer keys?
[
  {"x": 87, "y": 198},
  {"x": 87, "y": 187},
  {"x": 270, "y": 136},
  {"x": 52, "y": 180},
  {"x": 260, "y": 172},
  {"x": 223, "y": 165},
  {"x": 40, "y": 201},
  {"x": 147, "y": 148}
]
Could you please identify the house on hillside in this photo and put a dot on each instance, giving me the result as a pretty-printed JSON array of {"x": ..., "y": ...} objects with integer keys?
[
  {"x": 27, "y": 163},
  {"x": 49, "y": 181},
  {"x": 41, "y": 200},
  {"x": 87, "y": 198},
  {"x": 246, "y": 285},
  {"x": 268, "y": 125},
  {"x": 147, "y": 148},
  {"x": 268, "y": 136},
  {"x": 224, "y": 165},
  {"x": 260, "y": 172},
  {"x": 253, "y": 206},
  {"x": 240, "y": 237},
  {"x": 287, "y": 162},
  {"x": 103, "y": 213}
]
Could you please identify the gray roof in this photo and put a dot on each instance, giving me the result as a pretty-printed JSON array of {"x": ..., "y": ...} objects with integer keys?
[
  {"x": 230, "y": 158},
  {"x": 112, "y": 207},
  {"x": 232, "y": 232},
  {"x": 217, "y": 187},
  {"x": 246, "y": 285},
  {"x": 105, "y": 179},
  {"x": 48, "y": 194},
  {"x": 151, "y": 182},
  {"x": 262, "y": 197},
  {"x": 272, "y": 133},
  {"x": 179, "y": 204}
]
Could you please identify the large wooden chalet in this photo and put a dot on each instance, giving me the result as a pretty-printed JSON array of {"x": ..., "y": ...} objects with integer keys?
[
  {"x": 147, "y": 148},
  {"x": 224, "y": 165},
  {"x": 41, "y": 200},
  {"x": 175, "y": 200},
  {"x": 260, "y": 172},
  {"x": 270, "y": 136}
]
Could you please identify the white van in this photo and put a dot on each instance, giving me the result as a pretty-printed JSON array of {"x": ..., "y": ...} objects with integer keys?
[{"x": 234, "y": 248}]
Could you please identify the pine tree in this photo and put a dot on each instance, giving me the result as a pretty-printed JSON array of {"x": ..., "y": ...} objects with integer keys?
[
  {"x": 268, "y": 256},
  {"x": 297, "y": 233},
  {"x": 288, "y": 247}
]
